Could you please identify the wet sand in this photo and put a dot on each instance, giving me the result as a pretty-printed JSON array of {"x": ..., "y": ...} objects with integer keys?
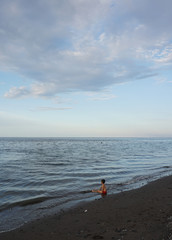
[{"x": 140, "y": 214}]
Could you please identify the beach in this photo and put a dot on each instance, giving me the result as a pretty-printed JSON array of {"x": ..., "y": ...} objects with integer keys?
[
  {"x": 144, "y": 213},
  {"x": 46, "y": 175}
]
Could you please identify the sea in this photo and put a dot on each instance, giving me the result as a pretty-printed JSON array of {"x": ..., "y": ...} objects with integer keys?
[{"x": 45, "y": 176}]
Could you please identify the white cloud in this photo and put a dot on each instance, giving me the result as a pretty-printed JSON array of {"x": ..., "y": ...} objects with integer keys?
[
  {"x": 103, "y": 96},
  {"x": 51, "y": 109},
  {"x": 75, "y": 45},
  {"x": 161, "y": 53},
  {"x": 17, "y": 92}
]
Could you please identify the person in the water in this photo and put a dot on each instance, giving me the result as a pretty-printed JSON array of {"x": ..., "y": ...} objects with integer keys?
[{"x": 102, "y": 189}]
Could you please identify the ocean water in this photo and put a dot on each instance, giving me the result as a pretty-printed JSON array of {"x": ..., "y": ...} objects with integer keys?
[{"x": 42, "y": 176}]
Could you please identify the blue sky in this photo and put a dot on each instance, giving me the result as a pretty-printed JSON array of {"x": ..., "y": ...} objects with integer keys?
[{"x": 86, "y": 68}]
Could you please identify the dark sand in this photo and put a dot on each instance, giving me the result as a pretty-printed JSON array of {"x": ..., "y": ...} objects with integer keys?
[{"x": 144, "y": 213}]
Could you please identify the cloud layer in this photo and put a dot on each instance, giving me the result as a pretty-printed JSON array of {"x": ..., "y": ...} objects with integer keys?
[{"x": 77, "y": 45}]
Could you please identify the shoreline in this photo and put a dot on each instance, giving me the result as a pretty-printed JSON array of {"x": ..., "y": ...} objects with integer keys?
[{"x": 144, "y": 213}]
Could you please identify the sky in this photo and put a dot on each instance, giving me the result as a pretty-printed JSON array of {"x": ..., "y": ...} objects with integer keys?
[{"x": 86, "y": 68}]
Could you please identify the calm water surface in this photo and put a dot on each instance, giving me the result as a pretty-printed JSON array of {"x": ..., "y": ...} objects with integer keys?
[{"x": 40, "y": 176}]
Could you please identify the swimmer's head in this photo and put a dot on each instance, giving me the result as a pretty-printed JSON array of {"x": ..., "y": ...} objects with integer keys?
[{"x": 103, "y": 181}]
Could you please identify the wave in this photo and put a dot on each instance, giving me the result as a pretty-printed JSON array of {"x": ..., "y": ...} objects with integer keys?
[
  {"x": 32, "y": 201},
  {"x": 25, "y": 202}
]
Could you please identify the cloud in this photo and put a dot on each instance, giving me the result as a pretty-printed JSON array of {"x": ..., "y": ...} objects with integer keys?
[
  {"x": 17, "y": 92},
  {"x": 102, "y": 96},
  {"x": 51, "y": 109},
  {"x": 73, "y": 45}
]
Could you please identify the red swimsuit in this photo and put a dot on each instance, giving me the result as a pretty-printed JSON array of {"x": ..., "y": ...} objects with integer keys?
[{"x": 104, "y": 192}]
